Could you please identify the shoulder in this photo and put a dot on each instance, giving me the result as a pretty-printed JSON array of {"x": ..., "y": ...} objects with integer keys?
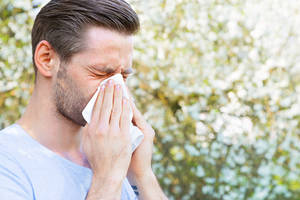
[
  {"x": 14, "y": 181},
  {"x": 10, "y": 142},
  {"x": 13, "y": 137},
  {"x": 13, "y": 144},
  {"x": 10, "y": 132}
]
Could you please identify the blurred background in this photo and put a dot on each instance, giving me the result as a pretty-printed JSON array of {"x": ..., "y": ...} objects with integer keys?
[{"x": 219, "y": 80}]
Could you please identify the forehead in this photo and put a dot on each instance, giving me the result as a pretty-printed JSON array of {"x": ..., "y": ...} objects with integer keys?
[
  {"x": 104, "y": 48},
  {"x": 107, "y": 44}
]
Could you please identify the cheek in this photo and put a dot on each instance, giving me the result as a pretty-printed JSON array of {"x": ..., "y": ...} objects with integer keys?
[
  {"x": 85, "y": 84},
  {"x": 89, "y": 87}
]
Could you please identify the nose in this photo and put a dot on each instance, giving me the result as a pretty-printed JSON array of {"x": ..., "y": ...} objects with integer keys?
[{"x": 120, "y": 70}]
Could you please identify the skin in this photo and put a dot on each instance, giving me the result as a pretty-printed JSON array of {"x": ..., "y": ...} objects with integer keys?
[{"x": 53, "y": 115}]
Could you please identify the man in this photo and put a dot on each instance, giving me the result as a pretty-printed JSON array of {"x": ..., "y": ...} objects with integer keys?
[{"x": 51, "y": 152}]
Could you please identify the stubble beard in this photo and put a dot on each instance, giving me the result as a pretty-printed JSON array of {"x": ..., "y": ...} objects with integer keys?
[{"x": 69, "y": 99}]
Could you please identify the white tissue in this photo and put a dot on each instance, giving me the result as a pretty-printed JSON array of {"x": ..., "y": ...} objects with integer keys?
[{"x": 135, "y": 133}]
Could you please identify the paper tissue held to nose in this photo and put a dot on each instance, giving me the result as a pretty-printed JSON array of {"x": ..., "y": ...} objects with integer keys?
[{"x": 135, "y": 133}]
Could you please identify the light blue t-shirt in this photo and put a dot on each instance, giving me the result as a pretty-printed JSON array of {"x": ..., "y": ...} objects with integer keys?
[{"x": 29, "y": 171}]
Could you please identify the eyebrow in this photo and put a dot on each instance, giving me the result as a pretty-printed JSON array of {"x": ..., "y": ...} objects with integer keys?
[{"x": 109, "y": 70}]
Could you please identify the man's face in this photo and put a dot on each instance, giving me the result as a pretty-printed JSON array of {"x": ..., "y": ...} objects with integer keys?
[{"x": 106, "y": 53}]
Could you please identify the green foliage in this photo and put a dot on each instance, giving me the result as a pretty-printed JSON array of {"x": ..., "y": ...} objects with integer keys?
[
  {"x": 16, "y": 70},
  {"x": 219, "y": 80}
]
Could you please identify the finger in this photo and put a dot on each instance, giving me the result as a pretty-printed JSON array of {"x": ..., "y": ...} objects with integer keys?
[
  {"x": 129, "y": 94},
  {"x": 97, "y": 107},
  {"x": 107, "y": 103},
  {"x": 138, "y": 118},
  {"x": 125, "y": 117},
  {"x": 137, "y": 115},
  {"x": 117, "y": 106}
]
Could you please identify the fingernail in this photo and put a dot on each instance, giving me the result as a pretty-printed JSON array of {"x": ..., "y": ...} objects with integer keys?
[{"x": 102, "y": 87}]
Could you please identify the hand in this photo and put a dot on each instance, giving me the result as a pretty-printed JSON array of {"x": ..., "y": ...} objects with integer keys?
[
  {"x": 106, "y": 140},
  {"x": 140, "y": 164},
  {"x": 140, "y": 173}
]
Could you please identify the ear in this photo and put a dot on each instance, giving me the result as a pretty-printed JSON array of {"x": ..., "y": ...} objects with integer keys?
[{"x": 46, "y": 59}]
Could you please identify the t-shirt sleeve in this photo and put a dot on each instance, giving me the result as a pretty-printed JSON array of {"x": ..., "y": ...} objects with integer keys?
[
  {"x": 14, "y": 183},
  {"x": 129, "y": 190}
]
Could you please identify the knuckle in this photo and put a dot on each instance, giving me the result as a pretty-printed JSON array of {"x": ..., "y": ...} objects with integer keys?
[
  {"x": 102, "y": 129},
  {"x": 110, "y": 90},
  {"x": 115, "y": 130},
  {"x": 108, "y": 104},
  {"x": 125, "y": 116},
  {"x": 90, "y": 127},
  {"x": 118, "y": 93},
  {"x": 125, "y": 135},
  {"x": 116, "y": 110}
]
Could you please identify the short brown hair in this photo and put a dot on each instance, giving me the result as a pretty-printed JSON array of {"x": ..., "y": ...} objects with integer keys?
[{"x": 62, "y": 23}]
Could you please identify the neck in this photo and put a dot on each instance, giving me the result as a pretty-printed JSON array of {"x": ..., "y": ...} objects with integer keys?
[{"x": 42, "y": 121}]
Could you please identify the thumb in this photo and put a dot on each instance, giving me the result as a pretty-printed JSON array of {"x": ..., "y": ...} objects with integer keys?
[
  {"x": 141, "y": 123},
  {"x": 138, "y": 118}
]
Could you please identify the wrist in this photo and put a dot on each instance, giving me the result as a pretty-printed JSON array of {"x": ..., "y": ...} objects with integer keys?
[
  {"x": 137, "y": 179},
  {"x": 111, "y": 178},
  {"x": 105, "y": 187},
  {"x": 146, "y": 186}
]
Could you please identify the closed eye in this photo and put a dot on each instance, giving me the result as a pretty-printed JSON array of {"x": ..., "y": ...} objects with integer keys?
[{"x": 102, "y": 76}]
